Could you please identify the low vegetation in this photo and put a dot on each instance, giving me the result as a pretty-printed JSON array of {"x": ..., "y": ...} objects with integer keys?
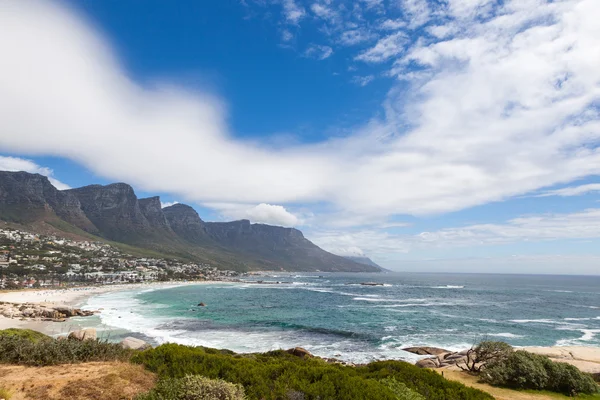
[
  {"x": 280, "y": 375},
  {"x": 5, "y": 394},
  {"x": 20, "y": 347},
  {"x": 484, "y": 353},
  {"x": 194, "y": 387},
  {"x": 523, "y": 370}
]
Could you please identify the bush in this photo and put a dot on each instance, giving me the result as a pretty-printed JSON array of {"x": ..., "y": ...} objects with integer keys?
[
  {"x": 29, "y": 334},
  {"x": 523, "y": 370},
  {"x": 279, "y": 375},
  {"x": 16, "y": 349},
  {"x": 484, "y": 353},
  {"x": 5, "y": 394},
  {"x": 401, "y": 391},
  {"x": 194, "y": 387}
]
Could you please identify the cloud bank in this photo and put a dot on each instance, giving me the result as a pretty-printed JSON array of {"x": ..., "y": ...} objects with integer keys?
[{"x": 505, "y": 105}]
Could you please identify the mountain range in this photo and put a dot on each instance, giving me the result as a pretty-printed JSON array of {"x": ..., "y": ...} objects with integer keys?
[{"x": 114, "y": 213}]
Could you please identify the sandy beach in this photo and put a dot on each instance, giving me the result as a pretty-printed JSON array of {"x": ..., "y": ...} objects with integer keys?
[{"x": 73, "y": 297}]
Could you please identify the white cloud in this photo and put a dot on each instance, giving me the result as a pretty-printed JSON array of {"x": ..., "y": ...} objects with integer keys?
[
  {"x": 286, "y": 35},
  {"x": 572, "y": 190},
  {"x": 261, "y": 213},
  {"x": 363, "y": 80},
  {"x": 318, "y": 51},
  {"x": 385, "y": 48},
  {"x": 20, "y": 164},
  {"x": 392, "y": 24},
  {"x": 417, "y": 12},
  {"x": 324, "y": 11},
  {"x": 292, "y": 11},
  {"x": 355, "y": 36},
  {"x": 168, "y": 203},
  {"x": 535, "y": 228},
  {"x": 507, "y": 106}
]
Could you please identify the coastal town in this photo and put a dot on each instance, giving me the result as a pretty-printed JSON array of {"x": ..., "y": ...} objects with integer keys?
[{"x": 30, "y": 260}]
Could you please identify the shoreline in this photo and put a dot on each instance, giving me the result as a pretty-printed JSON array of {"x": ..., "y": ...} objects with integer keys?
[
  {"x": 586, "y": 358},
  {"x": 72, "y": 297}
]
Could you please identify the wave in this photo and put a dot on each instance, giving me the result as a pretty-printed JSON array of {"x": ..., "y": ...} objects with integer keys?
[
  {"x": 505, "y": 335},
  {"x": 383, "y": 300},
  {"x": 447, "y": 287}
]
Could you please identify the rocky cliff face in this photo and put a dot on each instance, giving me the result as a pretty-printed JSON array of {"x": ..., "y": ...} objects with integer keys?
[
  {"x": 26, "y": 197},
  {"x": 278, "y": 247},
  {"x": 152, "y": 210},
  {"x": 186, "y": 223},
  {"x": 114, "y": 209},
  {"x": 114, "y": 212}
]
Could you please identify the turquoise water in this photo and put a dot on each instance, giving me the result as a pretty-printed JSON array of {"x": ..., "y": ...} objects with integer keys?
[{"x": 335, "y": 316}]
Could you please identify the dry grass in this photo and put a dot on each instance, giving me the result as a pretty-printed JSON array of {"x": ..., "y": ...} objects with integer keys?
[{"x": 89, "y": 381}]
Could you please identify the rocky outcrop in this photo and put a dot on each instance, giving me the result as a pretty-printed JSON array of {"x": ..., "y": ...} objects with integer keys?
[
  {"x": 45, "y": 312},
  {"x": 83, "y": 334},
  {"x": 441, "y": 358},
  {"x": 186, "y": 223},
  {"x": 300, "y": 352},
  {"x": 114, "y": 209},
  {"x": 278, "y": 247},
  {"x": 135, "y": 344},
  {"x": 114, "y": 212},
  {"x": 152, "y": 210},
  {"x": 426, "y": 351},
  {"x": 26, "y": 197}
]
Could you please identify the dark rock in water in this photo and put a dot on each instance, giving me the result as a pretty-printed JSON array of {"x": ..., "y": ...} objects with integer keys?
[
  {"x": 201, "y": 305},
  {"x": 300, "y": 352},
  {"x": 426, "y": 351},
  {"x": 371, "y": 284}
]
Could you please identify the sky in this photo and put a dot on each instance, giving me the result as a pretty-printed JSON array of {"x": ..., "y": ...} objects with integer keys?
[{"x": 429, "y": 135}]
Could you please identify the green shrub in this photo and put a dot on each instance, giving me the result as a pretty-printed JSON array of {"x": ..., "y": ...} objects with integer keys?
[
  {"x": 524, "y": 370},
  {"x": 29, "y": 334},
  {"x": 278, "y": 375},
  {"x": 401, "y": 391},
  {"x": 194, "y": 387},
  {"x": 426, "y": 382},
  {"x": 15, "y": 349},
  {"x": 484, "y": 353},
  {"x": 5, "y": 394}
]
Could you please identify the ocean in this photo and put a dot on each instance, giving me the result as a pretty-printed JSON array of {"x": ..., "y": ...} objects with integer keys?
[{"x": 333, "y": 315}]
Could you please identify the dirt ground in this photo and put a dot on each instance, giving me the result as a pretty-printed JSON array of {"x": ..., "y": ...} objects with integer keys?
[
  {"x": 498, "y": 393},
  {"x": 89, "y": 381}
]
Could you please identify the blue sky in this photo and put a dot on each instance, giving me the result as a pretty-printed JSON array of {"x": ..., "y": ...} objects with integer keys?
[{"x": 454, "y": 135}]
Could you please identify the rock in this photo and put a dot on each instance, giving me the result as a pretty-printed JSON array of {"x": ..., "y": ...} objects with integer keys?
[
  {"x": 201, "y": 305},
  {"x": 67, "y": 311},
  {"x": 300, "y": 352},
  {"x": 135, "y": 344},
  {"x": 428, "y": 363},
  {"x": 371, "y": 284},
  {"x": 83, "y": 334},
  {"x": 426, "y": 351},
  {"x": 456, "y": 357}
]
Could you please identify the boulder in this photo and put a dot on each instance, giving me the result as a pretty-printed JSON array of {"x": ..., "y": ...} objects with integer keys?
[
  {"x": 83, "y": 334},
  {"x": 428, "y": 363},
  {"x": 201, "y": 305},
  {"x": 67, "y": 311},
  {"x": 135, "y": 344},
  {"x": 300, "y": 352},
  {"x": 426, "y": 351}
]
